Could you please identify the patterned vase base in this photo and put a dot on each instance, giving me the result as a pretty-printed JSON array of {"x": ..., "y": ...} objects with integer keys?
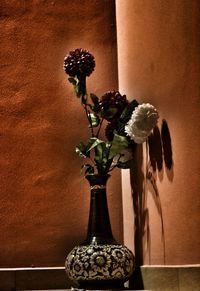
[{"x": 99, "y": 264}]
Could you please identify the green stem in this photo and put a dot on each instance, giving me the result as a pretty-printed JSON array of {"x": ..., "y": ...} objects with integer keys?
[
  {"x": 97, "y": 135},
  {"x": 89, "y": 119},
  {"x": 82, "y": 91},
  {"x": 84, "y": 97}
]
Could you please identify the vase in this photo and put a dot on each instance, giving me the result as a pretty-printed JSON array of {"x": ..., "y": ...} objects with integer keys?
[{"x": 99, "y": 262}]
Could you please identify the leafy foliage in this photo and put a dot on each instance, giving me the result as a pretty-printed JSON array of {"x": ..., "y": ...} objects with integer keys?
[
  {"x": 103, "y": 152},
  {"x": 112, "y": 109}
]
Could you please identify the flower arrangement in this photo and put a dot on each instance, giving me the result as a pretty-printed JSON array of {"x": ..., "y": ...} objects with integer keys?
[{"x": 126, "y": 122}]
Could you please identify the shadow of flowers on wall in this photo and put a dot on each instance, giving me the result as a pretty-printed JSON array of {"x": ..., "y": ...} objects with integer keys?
[{"x": 147, "y": 167}]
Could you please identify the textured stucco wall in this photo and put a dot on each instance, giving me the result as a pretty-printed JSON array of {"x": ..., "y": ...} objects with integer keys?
[
  {"x": 159, "y": 62},
  {"x": 43, "y": 198}
]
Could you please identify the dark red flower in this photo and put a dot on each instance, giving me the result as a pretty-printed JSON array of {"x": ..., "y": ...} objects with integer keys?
[
  {"x": 112, "y": 104},
  {"x": 79, "y": 63}
]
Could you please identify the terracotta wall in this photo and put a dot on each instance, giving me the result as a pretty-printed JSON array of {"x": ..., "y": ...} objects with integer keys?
[
  {"x": 159, "y": 62},
  {"x": 43, "y": 198}
]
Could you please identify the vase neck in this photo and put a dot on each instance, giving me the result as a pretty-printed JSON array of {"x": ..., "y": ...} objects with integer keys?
[{"x": 99, "y": 227}]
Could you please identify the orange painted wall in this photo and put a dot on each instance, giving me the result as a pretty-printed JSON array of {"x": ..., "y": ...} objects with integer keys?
[
  {"x": 44, "y": 200},
  {"x": 159, "y": 62}
]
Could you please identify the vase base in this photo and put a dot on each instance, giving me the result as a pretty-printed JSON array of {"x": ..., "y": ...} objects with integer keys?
[{"x": 97, "y": 267}]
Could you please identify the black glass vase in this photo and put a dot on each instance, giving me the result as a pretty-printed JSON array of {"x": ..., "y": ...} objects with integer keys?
[{"x": 99, "y": 262}]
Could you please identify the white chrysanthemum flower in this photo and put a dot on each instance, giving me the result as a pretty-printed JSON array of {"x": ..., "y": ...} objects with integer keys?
[{"x": 143, "y": 120}]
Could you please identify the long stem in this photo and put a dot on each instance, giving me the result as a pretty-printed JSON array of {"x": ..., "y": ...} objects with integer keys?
[
  {"x": 84, "y": 97},
  {"x": 88, "y": 118},
  {"x": 97, "y": 135}
]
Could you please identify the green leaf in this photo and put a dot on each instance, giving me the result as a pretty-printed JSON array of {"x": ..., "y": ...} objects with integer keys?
[
  {"x": 81, "y": 150},
  {"x": 80, "y": 85},
  {"x": 100, "y": 152},
  {"x": 101, "y": 157},
  {"x": 72, "y": 80},
  {"x": 76, "y": 83},
  {"x": 119, "y": 144},
  {"x": 94, "y": 119},
  {"x": 94, "y": 142},
  {"x": 127, "y": 112},
  {"x": 88, "y": 169},
  {"x": 96, "y": 107}
]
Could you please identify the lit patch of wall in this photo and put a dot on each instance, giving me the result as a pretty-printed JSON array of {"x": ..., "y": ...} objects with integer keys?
[{"x": 159, "y": 62}]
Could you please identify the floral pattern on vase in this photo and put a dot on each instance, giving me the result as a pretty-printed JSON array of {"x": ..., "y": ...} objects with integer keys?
[{"x": 97, "y": 262}]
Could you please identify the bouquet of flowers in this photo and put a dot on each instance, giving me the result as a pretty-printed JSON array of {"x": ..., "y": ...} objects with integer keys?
[{"x": 125, "y": 123}]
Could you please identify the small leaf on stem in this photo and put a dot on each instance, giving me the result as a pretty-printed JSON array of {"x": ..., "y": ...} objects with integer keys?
[{"x": 94, "y": 119}]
